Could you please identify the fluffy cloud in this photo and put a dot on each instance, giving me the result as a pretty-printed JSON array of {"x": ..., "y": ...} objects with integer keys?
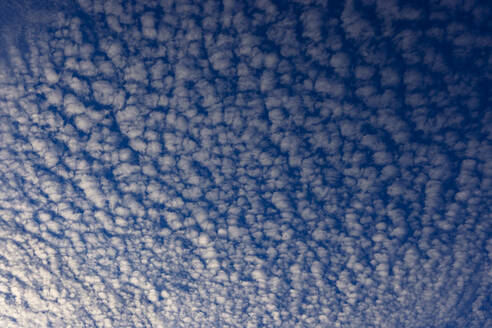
[{"x": 246, "y": 165}]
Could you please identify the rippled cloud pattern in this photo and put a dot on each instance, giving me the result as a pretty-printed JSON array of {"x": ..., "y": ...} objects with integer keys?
[{"x": 245, "y": 163}]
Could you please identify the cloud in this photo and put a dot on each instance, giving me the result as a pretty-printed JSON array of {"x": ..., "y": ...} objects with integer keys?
[{"x": 244, "y": 165}]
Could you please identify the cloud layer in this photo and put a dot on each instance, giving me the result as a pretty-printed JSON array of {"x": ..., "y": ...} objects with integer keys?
[{"x": 248, "y": 164}]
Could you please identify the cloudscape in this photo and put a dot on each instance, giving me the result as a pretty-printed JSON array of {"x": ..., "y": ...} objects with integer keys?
[{"x": 245, "y": 163}]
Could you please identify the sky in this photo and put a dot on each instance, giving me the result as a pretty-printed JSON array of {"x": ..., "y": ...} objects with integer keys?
[{"x": 245, "y": 163}]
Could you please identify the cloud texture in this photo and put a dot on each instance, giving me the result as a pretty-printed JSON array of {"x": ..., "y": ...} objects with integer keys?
[{"x": 247, "y": 164}]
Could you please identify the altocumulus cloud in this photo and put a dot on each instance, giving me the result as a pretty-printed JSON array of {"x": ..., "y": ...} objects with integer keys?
[{"x": 245, "y": 164}]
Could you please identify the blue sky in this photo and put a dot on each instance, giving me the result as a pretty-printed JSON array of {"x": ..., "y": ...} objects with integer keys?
[{"x": 245, "y": 164}]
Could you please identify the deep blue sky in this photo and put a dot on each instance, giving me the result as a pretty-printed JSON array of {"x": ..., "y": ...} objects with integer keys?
[{"x": 245, "y": 164}]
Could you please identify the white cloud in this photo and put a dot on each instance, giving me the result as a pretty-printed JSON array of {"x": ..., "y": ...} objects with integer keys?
[
  {"x": 103, "y": 92},
  {"x": 72, "y": 105},
  {"x": 284, "y": 167},
  {"x": 51, "y": 76},
  {"x": 148, "y": 26},
  {"x": 83, "y": 123}
]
